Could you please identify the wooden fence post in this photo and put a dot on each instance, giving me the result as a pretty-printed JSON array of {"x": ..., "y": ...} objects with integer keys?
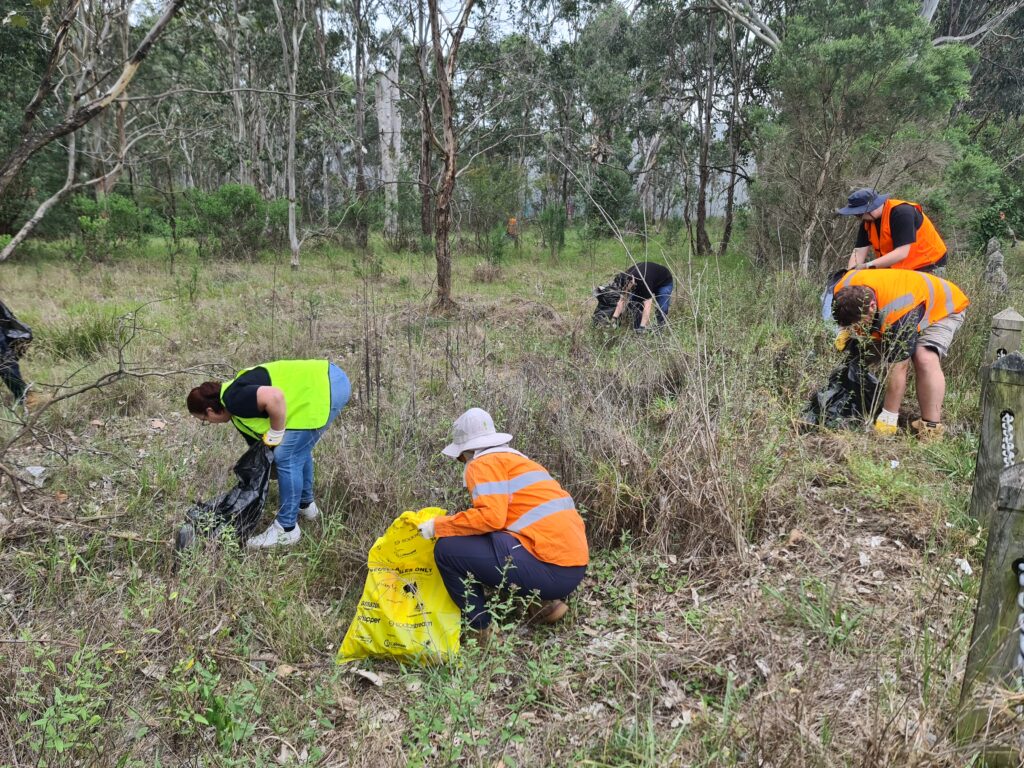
[
  {"x": 997, "y": 652},
  {"x": 1002, "y": 405},
  {"x": 1004, "y": 338}
]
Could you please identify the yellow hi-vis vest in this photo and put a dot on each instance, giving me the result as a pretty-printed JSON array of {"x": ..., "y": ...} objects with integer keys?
[{"x": 307, "y": 394}]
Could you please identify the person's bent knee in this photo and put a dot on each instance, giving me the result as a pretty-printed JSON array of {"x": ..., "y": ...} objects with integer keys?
[
  {"x": 926, "y": 357},
  {"x": 445, "y": 549}
]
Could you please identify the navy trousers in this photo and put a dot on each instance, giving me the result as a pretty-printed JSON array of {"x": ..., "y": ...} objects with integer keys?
[
  {"x": 10, "y": 373},
  {"x": 470, "y": 563}
]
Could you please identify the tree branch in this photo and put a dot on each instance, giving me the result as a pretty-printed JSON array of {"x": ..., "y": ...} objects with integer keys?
[
  {"x": 16, "y": 160},
  {"x": 981, "y": 32}
]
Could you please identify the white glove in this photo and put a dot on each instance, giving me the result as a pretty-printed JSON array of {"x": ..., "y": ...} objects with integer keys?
[
  {"x": 427, "y": 529},
  {"x": 273, "y": 437}
]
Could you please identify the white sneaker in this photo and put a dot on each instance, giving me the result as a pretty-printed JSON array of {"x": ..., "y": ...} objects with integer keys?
[
  {"x": 310, "y": 513},
  {"x": 274, "y": 536}
]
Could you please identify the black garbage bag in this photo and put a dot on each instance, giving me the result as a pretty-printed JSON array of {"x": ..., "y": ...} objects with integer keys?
[
  {"x": 607, "y": 299},
  {"x": 850, "y": 397},
  {"x": 240, "y": 508},
  {"x": 18, "y": 334}
]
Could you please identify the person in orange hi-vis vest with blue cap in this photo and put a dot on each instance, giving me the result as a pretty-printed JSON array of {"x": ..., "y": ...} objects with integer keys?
[
  {"x": 523, "y": 529},
  {"x": 911, "y": 317},
  {"x": 898, "y": 231}
]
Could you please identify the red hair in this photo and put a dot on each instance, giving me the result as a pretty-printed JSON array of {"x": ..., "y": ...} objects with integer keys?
[{"x": 206, "y": 395}]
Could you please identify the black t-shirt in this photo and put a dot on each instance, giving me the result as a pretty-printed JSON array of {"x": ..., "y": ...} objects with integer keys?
[
  {"x": 240, "y": 397},
  {"x": 904, "y": 221},
  {"x": 649, "y": 278}
]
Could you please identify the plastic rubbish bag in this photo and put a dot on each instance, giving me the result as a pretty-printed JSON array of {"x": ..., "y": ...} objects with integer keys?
[
  {"x": 607, "y": 299},
  {"x": 18, "y": 334},
  {"x": 851, "y": 396},
  {"x": 405, "y": 611},
  {"x": 608, "y": 296},
  {"x": 828, "y": 294},
  {"x": 240, "y": 508}
]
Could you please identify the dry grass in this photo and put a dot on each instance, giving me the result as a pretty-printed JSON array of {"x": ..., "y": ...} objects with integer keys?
[{"x": 757, "y": 597}]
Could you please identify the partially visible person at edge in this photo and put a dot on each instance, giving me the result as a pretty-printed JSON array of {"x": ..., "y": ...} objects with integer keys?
[
  {"x": 899, "y": 233},
  {"x": 523, "y": 528},
  {"x": 912, "y": 316},
  {"x": 10, "y": 371},
  {"x": 644, "y": 284},
  {"x": 287, "y": 404}
]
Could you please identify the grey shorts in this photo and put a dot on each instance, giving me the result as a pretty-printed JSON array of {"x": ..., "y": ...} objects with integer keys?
[{"x": 939, "y": 336}]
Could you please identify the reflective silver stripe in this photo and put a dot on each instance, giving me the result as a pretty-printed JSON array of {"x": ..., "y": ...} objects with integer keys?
[
  {"x": 900, "y": 302},
  {"x": 508, "y": 487},
  {"x": 541, "y": 511},
  {"x": 925, "y": 321},
  {"x": 948, "y": 294}
]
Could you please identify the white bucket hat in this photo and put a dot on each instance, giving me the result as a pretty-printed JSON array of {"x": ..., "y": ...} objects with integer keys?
[{"x": 474, "y": 430}]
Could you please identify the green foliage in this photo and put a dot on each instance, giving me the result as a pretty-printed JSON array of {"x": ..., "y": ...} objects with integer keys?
[
  {"x": 818, "y": 608},
  {"x": 489, "y": 195},
  {"x": 234, "y": 221},
  {"x": 64, "y": 704},
  {"x": 196, "y": 703},
  {"x": 497, "y": 240},
  {"x": 673, "y": 228},
  {"x": 998, "y": 220},
  {"x": 613, "y": 199},
  {"x": 108, "y": 223},
  {"x": 22, "y": 55},
  {"x": 85, "y": 338},
  {"x": 552, "y": 221},
  {"x": 860, "y": 87}
]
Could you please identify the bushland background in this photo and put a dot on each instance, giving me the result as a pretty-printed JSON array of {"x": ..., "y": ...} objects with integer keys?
[{"x": 333, "y": 179}]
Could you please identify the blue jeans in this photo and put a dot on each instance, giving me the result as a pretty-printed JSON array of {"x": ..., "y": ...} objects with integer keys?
[
  {"x": 497, "y": 559},
  {"x": 294, "y": 456},
  {"x": 662, "y": 297},
  {"x": 659, "y": 312}
]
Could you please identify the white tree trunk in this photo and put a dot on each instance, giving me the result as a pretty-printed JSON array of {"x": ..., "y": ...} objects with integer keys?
[
  {"x": 389, "y": 120},
  {"x": 290, "y": 57}
]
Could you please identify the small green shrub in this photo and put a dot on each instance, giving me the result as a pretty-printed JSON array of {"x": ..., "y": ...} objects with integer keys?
[
  {"x": 552, "y": 225},
  {"x": 85, "y": 338},
  {"x": 234, "y": 221},
  {"x": 109, "y": 222},
  {"x": 818, "y": 608}
]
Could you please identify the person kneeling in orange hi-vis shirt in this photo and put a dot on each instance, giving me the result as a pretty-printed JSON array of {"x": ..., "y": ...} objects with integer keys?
[
  {"x": 912, "y": 317},
  {"x": 523, "y": 529}
]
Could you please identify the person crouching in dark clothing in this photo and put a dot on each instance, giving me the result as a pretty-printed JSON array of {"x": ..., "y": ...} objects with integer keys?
[{"x": 643, "y": 285}]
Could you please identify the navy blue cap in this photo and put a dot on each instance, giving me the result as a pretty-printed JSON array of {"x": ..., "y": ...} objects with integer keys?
[{"x": 862, "y": 201}]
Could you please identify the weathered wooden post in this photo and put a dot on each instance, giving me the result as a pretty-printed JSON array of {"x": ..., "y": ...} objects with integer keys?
[
  {"x": 996, "y": 658},
  {"x": 1004, "y": 338},
  {"x": 1002, "y": 401}
]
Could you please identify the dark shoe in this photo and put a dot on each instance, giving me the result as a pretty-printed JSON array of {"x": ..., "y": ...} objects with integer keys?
[{"x": 548, "y": 612}]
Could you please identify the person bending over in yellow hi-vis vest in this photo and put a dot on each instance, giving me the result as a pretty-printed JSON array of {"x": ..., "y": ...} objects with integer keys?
[{"x": 286, "y": 404}]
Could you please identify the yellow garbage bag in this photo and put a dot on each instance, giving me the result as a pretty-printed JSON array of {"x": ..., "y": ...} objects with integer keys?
[{"x": 405, "y": 611}]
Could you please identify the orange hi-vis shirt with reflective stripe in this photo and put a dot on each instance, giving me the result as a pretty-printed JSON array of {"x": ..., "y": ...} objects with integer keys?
[
  {"x": 898, "y": 291},
  {"x": 515, "y": 494}
]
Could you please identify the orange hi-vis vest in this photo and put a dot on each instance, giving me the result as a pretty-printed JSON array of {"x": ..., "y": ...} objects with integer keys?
[
  {"x": 515, "y": 494},
  {"x": 925, "y": 251},
  {"x": 900, "y": 291}
]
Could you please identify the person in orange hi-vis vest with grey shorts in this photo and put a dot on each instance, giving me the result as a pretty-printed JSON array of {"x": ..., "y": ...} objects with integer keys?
[
  {"x": 911, "y": 317},
  {"x": 523, "y": 529},
  {"x": 898, "y": 231}
]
